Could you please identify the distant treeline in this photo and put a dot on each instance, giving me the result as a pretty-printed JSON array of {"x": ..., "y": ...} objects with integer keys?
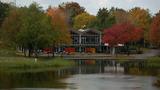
[{"x": 33, "y": 28}]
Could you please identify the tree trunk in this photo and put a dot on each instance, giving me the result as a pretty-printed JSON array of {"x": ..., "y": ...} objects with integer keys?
[
  {"x": 128, "y": 51},
  {"x": 24, "y": 50},
  {"x": 36, "y": 53},
  {"x": 53, "y": 51},
  {"x": 113, "y": 51},
  {"x": 29, "y": 53}
]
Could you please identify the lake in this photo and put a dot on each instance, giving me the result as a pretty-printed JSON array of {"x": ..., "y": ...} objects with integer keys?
[{"x": 89, "y": 77}]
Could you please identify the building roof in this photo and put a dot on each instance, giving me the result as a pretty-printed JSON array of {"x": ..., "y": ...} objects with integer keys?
[
  {"x": 92, "y": 30},
  {"x": 83, "y": 31},
  {"x": 75, "y": 31}
]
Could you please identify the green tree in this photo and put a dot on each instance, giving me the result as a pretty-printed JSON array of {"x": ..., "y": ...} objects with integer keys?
[
  {"x": 83, "y": 20},
  {"x": 31, "y": 28},
  {"x": 36, "y": 29},
  {"x": 72, "y": 9},
  {"x": 104, "y": 19}
]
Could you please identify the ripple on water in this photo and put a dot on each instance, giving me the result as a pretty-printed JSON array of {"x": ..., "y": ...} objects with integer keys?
[{"x": 111, "y": 82}]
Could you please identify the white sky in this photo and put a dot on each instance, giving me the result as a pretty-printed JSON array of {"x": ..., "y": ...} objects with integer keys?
[{"x": 92, "y": 6}]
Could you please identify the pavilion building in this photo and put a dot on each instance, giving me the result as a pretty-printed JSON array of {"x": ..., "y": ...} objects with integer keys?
[{"x": 87, "y": 40}]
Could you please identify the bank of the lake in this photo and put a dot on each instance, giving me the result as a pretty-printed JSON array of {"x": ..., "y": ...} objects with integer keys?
[
  {"x": 25, "y": 64},
  {"x": 151, "y": 67},
  {"x": 154, "y": 63}
]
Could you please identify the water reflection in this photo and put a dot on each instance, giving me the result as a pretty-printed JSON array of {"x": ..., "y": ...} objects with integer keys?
[
  {"x": 47, "y": 79},
  {"x": 92, "y": 77}
]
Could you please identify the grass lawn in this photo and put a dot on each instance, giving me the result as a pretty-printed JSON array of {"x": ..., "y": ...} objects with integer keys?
[
  {"x": 23, "y": 64},
  {"x": 11, "y": 62}
]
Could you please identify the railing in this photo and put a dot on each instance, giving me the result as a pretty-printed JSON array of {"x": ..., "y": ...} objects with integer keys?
[
  {"x": 97, "y": 44},
  {"x": 99, "y": 57}
]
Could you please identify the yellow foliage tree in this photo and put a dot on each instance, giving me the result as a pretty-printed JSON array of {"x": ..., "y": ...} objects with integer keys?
[
  {"x": 141, "y": 18},
  {"x": 83, "y": 20}
]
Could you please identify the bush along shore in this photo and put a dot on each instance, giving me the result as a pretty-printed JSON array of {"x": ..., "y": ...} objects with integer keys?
[
  {"x": 23, "y": 64},
  {"x": 154, "y": 63}
]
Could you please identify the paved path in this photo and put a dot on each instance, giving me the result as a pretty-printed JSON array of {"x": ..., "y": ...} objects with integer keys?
[{"x": 149, "y": 53}]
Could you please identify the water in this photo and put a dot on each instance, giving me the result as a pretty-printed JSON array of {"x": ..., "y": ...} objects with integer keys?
[{"x": 77, "y": 78}]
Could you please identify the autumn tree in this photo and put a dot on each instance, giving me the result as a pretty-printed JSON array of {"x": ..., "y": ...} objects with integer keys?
[
  {"x": 121, "y": 16},
  {"x": 155, "y": 30},
  {"x": 4, "y": 10},
  {"x": 59, "y": 27},
  {"x": 141, "y": 18},
  {"x": 72, "y": 9},
  {"x": 83, "y": 20},
  {"x": 11, "y": 26},
  {"x": 121, "y": 34}
]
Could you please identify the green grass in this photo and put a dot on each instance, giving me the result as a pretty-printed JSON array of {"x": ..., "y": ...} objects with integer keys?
[
  {"x": 11, "y": 62},
  {"x": 7, "y": 52},
  {"x": 25, "y": 64},
  {"x": 154, "y": 62},
  {"x": 145, "y": 49},
  {"x": 122, "y": 58}
]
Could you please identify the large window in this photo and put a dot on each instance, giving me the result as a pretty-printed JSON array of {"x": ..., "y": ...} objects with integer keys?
[
  {"x": 90, "y": 39},
  {"x": 83, "y": 40},
  {"x": 75, "y": 39}
]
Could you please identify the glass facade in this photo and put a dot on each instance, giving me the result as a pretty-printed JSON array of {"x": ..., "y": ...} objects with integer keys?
[{"x": 86, "y": 38}]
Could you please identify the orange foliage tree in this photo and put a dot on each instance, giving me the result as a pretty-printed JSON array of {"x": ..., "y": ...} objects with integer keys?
[
  {"x": 155, "y": 30},
  {"x": 71, "y": 9},
  {"x": 11, "y": 26},
  {"x": 59, "y": 25},
  {"x": 121, "y": 16}
]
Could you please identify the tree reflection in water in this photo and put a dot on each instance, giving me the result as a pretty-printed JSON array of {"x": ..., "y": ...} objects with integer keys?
[
  {"x": 57, "y": 79},
  {"x": 48, "y": 79}
]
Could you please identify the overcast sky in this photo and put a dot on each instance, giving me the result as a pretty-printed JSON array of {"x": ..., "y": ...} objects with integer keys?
[{"x": 92, "y": 6}]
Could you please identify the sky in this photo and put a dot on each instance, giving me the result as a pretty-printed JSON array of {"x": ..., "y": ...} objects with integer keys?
[{"x": 92, "y": 6}]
